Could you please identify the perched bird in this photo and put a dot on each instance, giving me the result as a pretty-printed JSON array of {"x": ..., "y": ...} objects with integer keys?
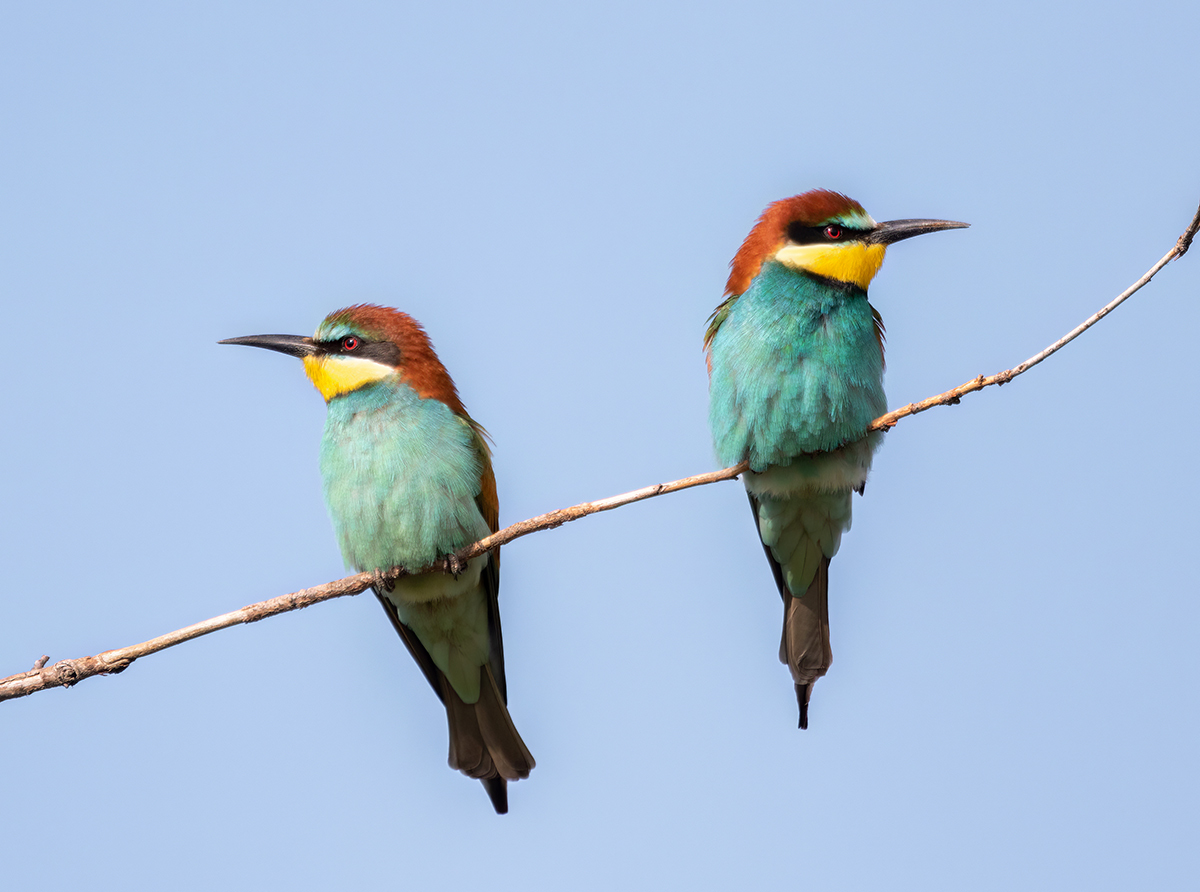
[
  {"x": 795, "y": 363},
  {"x": 408, "y": 480}
]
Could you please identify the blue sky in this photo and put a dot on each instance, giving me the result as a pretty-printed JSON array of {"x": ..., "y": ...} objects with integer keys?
[{"x": 556, "y": 192}]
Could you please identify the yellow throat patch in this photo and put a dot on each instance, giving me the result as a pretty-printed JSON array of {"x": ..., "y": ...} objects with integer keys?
[
  {"x": 335, "y": 375},
  {"x": 851, "y": 262}
]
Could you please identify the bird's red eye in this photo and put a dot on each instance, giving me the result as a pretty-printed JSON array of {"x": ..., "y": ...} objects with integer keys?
[
  {"x": 350, "y": 343},
  {"x": 833, "y": 231}
]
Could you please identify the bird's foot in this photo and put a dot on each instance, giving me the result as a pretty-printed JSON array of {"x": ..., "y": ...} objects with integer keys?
[
  {"x": 382, "y": 583},
  {"x": 453, "y": 565}
]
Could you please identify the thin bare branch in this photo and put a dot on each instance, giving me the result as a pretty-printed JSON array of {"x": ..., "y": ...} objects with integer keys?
[
  {"x": 565, "y": 515},
  {"x": 68, "y": 672},
  {"x": 953, "y": 397}
]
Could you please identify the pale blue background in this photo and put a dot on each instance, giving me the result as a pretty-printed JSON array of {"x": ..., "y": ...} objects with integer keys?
[{"x": 555, "y": 190}]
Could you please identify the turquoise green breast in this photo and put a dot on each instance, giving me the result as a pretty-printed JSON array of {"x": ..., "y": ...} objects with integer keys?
[
  {"x": 796, "y": 368},
  {"x": 401, "y": 476}
]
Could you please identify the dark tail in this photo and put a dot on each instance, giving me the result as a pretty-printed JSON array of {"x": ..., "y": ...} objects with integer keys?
[
  {"x": 484, "y": 742},
  {"x": 805, "y": 646}
]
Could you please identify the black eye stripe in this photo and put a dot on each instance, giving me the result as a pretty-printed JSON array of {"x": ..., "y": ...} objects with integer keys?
[
  {"x": 815, "y": 235},
  {"x": 380, "y": 351}
]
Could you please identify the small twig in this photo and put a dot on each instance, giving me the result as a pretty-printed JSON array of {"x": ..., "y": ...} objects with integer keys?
[{"x": 68, "y": 672}]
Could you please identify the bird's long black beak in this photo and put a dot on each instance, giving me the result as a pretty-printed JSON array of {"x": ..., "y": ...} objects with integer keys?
[
  {"x": 898, "y": 230},
  {"x": 292, "y": 345}
]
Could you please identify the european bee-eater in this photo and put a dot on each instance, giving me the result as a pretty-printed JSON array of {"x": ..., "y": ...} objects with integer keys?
[
  {"x": 408, "y": 480},
  {"x": 795, "y": 362}
]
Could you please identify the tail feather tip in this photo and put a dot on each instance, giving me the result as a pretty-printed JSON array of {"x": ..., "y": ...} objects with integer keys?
[
  {"x": 803, "y": 692},
  {"x": 497, "y": 790}
]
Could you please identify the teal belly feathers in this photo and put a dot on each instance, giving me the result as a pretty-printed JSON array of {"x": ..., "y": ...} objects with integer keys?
[
  {"x": 797, "y": 368},
  {"x": 401, "y": 479}
]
